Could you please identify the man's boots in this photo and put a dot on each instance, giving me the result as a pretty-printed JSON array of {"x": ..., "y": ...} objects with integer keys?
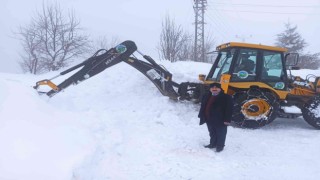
[
  {"x": 219, "y": 149},
  {"x": 210, "y": 146}
]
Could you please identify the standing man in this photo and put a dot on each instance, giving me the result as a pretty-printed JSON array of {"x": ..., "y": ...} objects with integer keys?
[{"x": 216, "y": 112}]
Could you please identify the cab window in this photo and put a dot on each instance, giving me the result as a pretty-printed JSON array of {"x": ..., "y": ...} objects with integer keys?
[
  {"x": 245, "y": 66},
  {"x": 272, "y": 70},
  {"x": 272, "y": 66},
  {"x": 224, "y": 64}
]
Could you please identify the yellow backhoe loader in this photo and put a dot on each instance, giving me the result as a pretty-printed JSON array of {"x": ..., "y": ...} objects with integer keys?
[{"x": 257, "y": 76}]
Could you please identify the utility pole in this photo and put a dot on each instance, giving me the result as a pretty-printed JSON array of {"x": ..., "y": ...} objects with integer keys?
[{"x": 199, "y": 8}]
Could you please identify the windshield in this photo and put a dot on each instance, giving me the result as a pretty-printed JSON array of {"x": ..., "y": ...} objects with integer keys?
[{"x": 223, "y": 60}]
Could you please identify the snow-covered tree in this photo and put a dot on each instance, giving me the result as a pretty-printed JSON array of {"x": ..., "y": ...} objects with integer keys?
[
  {"x": 294, "y": 42},
  {"x": 291, "y": 39}
]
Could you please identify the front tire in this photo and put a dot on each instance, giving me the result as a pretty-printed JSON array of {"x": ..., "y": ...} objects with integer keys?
[
  {"x": 311, "y": 112},
  {"x": 254, "y": 108}
]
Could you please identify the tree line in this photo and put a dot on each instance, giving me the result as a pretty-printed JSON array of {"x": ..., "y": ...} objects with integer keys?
[{"x": 54, "y": 39}]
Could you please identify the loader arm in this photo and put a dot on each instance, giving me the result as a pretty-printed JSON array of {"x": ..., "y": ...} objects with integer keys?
[{"x": 157, "y": 74}]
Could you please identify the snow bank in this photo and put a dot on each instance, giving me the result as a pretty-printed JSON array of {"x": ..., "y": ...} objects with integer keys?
[
  {"x": 116, "y": 125},
  {"x": 37, "y": 141}
]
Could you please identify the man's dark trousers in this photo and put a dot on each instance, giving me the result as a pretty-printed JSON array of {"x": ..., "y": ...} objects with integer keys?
[{"x": 217, "y": 134}]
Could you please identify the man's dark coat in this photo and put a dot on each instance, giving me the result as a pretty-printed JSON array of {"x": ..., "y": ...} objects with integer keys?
[{"x": 220, "y": 111}]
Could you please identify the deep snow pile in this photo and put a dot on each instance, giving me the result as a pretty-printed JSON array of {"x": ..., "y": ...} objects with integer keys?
[{"x": 117, "y": 125}]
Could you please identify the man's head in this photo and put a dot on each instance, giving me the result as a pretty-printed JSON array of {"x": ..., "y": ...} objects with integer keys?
[
  {"x": 215, "y": 88},
  {"x": 247, "y": 65}
]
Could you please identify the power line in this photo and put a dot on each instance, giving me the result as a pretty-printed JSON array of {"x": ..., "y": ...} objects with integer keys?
[
  {"x": 221, "y": 19},
  {"x": 268, "y": 12},
  {"x": 220, "y": 24},
  {"x": 268, "y": 5},
  {"x": 217, "y": 29}
]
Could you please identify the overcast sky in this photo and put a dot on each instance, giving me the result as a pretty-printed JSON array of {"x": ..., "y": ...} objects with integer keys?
[{"x": 253, "y": 21}]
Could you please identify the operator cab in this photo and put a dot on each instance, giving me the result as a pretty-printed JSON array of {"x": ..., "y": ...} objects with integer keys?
[{"x": 250, "y": 63}]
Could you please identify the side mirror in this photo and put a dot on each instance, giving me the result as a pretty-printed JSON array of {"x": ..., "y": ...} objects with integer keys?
[
  {"x": 202, "y": 77},
  {"x": 291, "y": 59}
]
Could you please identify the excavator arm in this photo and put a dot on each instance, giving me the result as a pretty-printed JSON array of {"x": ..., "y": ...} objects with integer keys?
[
  {"x": 157, "y": 74},
  {"x": 90, "y": 67}
]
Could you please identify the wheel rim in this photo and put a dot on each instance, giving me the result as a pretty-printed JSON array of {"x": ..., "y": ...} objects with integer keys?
[{"x": 256, "y": 109}]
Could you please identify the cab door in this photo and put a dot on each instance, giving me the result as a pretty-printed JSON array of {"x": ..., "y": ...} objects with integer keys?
[{"x": 272, "y": 71}]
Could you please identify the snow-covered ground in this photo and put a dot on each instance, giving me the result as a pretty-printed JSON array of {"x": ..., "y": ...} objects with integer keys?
[{"x": 117, "y": 126}]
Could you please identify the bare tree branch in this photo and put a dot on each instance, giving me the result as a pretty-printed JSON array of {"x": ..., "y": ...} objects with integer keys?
[
  {"x": 176, "y": 44},
  {"x": 172, "y": 40},
  {"x": 103, "y": 42},
  {"x": 51, "y": 41}
]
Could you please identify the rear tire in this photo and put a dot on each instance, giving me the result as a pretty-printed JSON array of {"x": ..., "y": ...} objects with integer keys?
[
  {"x": 254, "y": 108},
  {"x": 311, "y": 112}
]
